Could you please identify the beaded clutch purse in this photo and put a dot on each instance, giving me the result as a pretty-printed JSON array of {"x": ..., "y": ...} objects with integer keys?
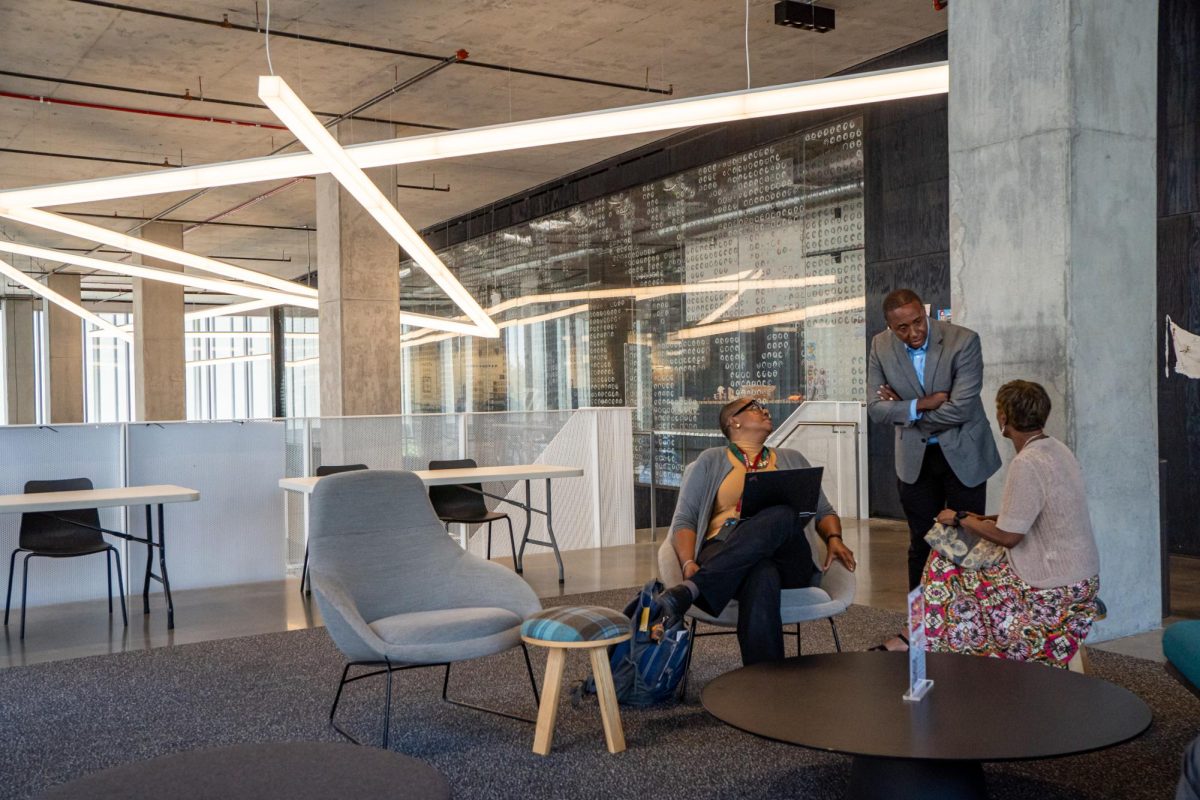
[{"x": 964, "y": 548}]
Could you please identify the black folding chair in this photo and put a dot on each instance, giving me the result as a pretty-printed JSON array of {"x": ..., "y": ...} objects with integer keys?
[
  {"x": 61, "y": 534},
  {"x": 322, "y": 471},
  {"x": 463, "y": 503}
]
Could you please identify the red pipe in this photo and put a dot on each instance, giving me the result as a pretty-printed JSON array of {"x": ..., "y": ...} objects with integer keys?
[{"x": 146, "y": 111}]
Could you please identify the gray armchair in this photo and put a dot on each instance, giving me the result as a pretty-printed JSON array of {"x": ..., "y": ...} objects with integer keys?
[
  {"x": 396, "y": 592},
  {"x": 832, "y": 593}
]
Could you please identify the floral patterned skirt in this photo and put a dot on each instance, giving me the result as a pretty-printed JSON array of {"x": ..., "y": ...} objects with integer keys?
[{"x": 992, "y": 612}]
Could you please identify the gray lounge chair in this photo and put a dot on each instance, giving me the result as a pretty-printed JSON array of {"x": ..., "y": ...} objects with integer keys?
[
  {"x": 397, "y": 593},
  {"x": 831, "y": 593}
]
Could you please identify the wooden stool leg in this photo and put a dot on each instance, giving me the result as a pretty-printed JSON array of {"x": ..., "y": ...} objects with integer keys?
[
  {"x": 607, "y": 694},
  {"x": 1079, "y": 661},
  {"x": 543, "y": 735}
]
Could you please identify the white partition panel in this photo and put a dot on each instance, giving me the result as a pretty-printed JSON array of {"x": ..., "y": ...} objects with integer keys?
[
  {"x": 595, "y": 510},
  {"x": 832, "y": 434},
  {"x": 62, "y": 451},
  {"x": 234, "y": 533},
  {"x": 613, "y": 466}
]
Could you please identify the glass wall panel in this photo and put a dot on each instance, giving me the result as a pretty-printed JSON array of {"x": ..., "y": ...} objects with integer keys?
[
  {"x": 228, "y": 362},
  {"x": 108, "y": 374},
  {"x": 302, "y": 384},
  {"x": 741, "y": 277}
]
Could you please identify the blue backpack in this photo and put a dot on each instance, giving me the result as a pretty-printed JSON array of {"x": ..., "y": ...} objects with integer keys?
[{"x": 647, "y": 671}]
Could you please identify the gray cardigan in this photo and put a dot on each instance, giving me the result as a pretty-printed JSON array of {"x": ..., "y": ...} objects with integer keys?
[{"x": 702, "y": 479}]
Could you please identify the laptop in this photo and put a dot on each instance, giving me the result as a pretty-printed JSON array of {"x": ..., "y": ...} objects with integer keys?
[{"x": 798, "y": 488}]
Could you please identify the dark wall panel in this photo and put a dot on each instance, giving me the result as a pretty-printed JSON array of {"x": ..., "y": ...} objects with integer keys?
[
  {"x": 906, "y": 155},
  {"x": 1179, "y": 265}
]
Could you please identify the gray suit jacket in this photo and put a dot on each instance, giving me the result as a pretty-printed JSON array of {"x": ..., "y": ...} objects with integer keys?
[{"x": 954, "y": 364}]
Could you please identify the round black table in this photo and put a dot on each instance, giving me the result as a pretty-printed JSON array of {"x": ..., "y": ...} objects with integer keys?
[
  {"x": 979, "y": 709},
  {"x": 291, "y": 770}
]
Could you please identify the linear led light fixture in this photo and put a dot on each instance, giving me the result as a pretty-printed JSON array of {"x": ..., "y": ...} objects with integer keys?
[
  {"x": 775, "y": 318},
  {"x": 95, "y": 233},
  {"x": 166, "y": 276},
  {"x": 104, "y": 327},
  {"x": 836, "y": 92},
  {"x": 508, "y": 323},
  {"x": 280, "y": 98},
  {"x": 639, "y": 293}
]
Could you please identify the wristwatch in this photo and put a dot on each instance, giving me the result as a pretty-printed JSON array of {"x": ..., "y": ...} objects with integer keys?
[{"x": 960, "y": 516}]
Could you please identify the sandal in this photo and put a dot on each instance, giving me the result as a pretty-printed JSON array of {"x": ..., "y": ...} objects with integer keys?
[{"x": 884, "y": 648}]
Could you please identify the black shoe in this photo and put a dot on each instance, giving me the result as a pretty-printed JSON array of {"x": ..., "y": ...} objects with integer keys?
[{"x": 674, "y": 603}]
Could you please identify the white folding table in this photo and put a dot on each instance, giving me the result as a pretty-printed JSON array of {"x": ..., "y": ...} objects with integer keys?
[
  {"x": 446, "y": 477},
  {"x": 149, "y": 496}
]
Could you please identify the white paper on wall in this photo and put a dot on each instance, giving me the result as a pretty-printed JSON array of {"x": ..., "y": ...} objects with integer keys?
[{"x": 1187, "y": 351}]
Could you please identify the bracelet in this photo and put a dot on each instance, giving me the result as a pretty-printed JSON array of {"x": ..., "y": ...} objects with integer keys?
[
  {"x": 832, "y": 536},
  {"x": 690, "y": 561}
]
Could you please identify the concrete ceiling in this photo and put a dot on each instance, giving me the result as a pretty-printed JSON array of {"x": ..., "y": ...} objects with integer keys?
[{"x": 694, "y": 47}]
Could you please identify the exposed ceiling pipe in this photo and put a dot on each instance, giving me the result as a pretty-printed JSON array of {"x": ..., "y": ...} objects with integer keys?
[
  {"x": 189, "y": 96},
  {"x": 246, "y": 204},
  {"x": 225, "y": 23},
  {"x": 132, "y": 218},
  {"x": 89, "y": 250},
  {"x": 38, "y": 98},
  {"x": 163, "y": 163}
]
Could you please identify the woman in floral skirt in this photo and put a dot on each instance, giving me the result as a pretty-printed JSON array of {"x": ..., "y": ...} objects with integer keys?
[{"x": 1040, "y": 602}]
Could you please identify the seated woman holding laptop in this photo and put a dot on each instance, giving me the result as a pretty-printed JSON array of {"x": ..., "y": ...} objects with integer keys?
[
  {"x": 725, "y": 557},
  {"x": 1037, "y": 601}
]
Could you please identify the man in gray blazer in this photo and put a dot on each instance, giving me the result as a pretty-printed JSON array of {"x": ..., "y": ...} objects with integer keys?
[{"x": 924, "y": 377}]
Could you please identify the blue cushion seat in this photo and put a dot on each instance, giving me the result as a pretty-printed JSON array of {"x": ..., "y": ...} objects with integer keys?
[
  {"x": 1181, "y": 646},
  {"x": 575, "y": 624}
]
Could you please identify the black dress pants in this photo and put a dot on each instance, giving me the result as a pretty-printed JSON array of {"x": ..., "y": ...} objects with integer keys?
[
  {"x": 761, "y": 556},
  {"x": 936, "y": 488}
]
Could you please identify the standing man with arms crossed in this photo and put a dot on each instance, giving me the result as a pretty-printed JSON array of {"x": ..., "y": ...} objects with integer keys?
[{"x": 925, "y": 377}]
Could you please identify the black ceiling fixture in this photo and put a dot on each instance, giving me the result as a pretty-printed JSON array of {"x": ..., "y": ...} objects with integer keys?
[{"x": 806, "y": 16}]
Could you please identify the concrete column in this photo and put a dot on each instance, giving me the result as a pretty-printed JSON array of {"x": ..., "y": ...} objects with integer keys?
[
  {"x": 20, "y": 373},
  {"x": 359, "y": 288},
  {"x": 1052, "y": 249},
  {"x": 159, "y": 380},
  {"x": 66, "y": 353}
]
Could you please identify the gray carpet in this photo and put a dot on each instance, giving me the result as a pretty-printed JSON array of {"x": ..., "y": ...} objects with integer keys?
[{"x": 65, "y": 719}]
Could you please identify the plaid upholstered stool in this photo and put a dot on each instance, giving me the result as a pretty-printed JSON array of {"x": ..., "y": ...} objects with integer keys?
[{"x": 591, "y": 628}]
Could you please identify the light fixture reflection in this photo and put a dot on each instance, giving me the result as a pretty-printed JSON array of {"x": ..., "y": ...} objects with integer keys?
[{"x": 776, "y": 318}]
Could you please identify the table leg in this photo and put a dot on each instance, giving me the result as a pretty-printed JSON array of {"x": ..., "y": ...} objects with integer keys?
[
  {"x": 543, "y": 734},
  {"x": 606, "y": 693},
  {"x": 162, "y": 569},
  {"x": 550, "y": 531},
  {"x": 519, "y": 557},
  {"x": 915, "y": 779},
  {"x": 149, "y": 561}
]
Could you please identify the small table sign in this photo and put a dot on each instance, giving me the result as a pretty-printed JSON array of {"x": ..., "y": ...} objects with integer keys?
[{"x": 918, "y": 684}]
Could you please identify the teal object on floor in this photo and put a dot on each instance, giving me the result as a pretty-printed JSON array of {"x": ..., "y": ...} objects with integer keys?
[{"x": 1181, "y": 646}]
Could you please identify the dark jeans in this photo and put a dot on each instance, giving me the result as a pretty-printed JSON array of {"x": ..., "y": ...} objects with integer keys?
[
  {"x": 936, "y": 488},
  {"x": 761, "y": 556}
]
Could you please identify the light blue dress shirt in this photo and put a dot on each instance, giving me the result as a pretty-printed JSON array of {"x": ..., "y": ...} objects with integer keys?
[{"x": 917, "y": 357}]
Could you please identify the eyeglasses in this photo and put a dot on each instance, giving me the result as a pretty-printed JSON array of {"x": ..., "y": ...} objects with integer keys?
[{"x": 752, "y": 404}]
